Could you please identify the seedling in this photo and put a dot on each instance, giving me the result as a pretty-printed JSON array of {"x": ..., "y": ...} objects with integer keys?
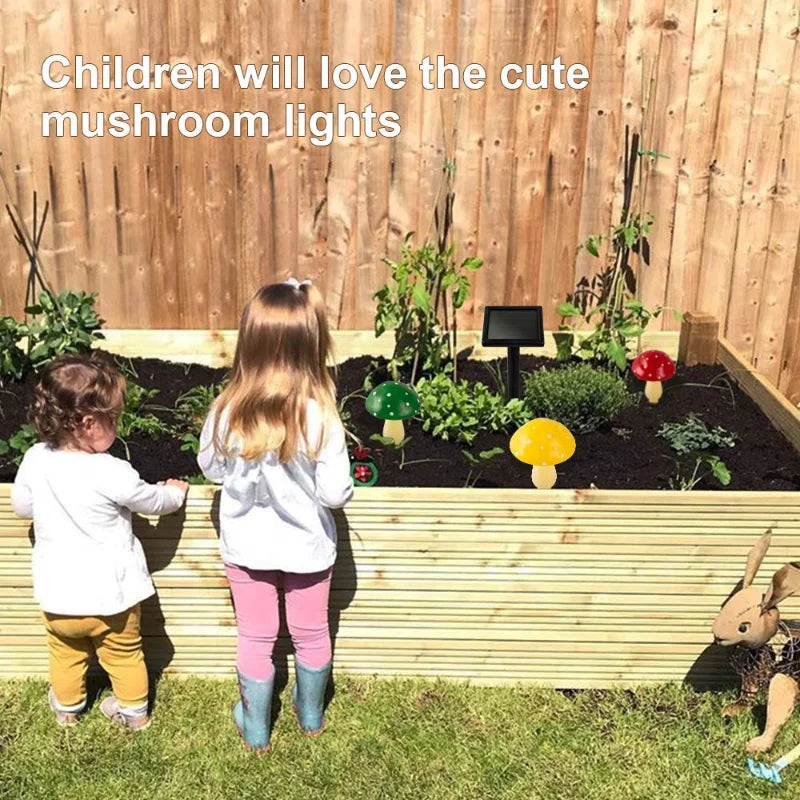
[
  {"x": 478, "y": 464},
  {"x": 400, "y": 446},
  {"x": 715, "y": 467}
]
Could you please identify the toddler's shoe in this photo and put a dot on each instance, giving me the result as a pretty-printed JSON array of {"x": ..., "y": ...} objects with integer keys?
[
  {"x": 66, "y": 719},
  {"x": 111, "y": 710}
]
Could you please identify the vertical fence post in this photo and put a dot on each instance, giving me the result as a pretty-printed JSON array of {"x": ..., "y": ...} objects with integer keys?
[{"x": 698, "y": 341}]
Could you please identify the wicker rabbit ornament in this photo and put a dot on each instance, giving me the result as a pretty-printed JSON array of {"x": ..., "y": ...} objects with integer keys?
[{"x": 749, "y": 622}]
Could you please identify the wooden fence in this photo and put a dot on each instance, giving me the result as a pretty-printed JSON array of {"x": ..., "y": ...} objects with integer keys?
[{"x": 177, "y": 232}]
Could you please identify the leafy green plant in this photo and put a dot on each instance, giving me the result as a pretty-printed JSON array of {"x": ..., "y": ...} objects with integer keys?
[
  {"x": 136, "y": 416},
  {"x": 67, "y": 323},
  {"x": 192, "y": 407},
  {"x": 580, "y": 396},
  {"x": 19, "y": 443},
  {"x": 190, "y": 443},
  {"x": 13, "y": 359},
  {"x": 696, "y": 468},
  {"x": 609, "y": 342},
  {"x": 691, "y": 434},
  {"x": 420, "y": 303},
  {"x": 459, "y": 411},
  {"x": 477, "y": 464}
]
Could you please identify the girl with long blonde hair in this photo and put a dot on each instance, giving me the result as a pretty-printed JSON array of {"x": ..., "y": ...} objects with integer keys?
[{"x": 275, "y": 442}]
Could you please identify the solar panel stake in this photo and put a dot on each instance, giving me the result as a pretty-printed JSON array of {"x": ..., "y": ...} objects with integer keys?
[
  {"x": 512, "y": 373},
  {"x": 512, "y": 327}
]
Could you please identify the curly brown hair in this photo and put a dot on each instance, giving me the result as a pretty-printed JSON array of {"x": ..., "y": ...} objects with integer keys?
[{"x": 72, "y": 387}]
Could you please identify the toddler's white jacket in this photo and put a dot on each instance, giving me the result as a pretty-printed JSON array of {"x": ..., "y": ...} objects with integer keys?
[
  {"x": 86, "y": 560},
  {"x": 276, "y": 516}
]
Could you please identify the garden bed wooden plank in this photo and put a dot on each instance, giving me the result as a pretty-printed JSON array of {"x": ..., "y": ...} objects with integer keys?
[
  {"x": 570, "y": 588},
  {"x": 216, "y": 348},
  {"x": 781, "y": 413}
]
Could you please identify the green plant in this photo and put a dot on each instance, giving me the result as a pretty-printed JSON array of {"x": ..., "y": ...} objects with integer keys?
[
  {"x": 420, "y": 303},
  {"x": 607, "y": 302},
  {"x": 13, "y": 359},
  {"x": 477, "y": 464},
  {"x": 190, "y": 443},
  {"x": 135, "y": 416},
  {"x": 580, "y": 396},
  {"x": 19, "y": 443},
  {"x": 613, "y": 333},
  {"x": 192, "y": 407},
  {"x": 460, "y": 411},
  {"x": 67, "y": 323},
  {"x": 692, "y": 434},
  {"x": 196, "y": 480},
  {"x": 389, "y": 443},
  {"x": 697, "y": 467}
]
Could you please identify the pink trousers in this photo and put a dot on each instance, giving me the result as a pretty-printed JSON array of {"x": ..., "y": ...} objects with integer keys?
[{"x": 255, "y": 600}]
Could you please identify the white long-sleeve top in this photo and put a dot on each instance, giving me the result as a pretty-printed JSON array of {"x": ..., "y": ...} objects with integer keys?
[
  {"x": 86, "y": 560},
  {"x": 276, "y": 516}
]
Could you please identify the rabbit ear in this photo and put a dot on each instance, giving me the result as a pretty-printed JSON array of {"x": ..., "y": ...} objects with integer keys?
[
  {"x": 785, "y": 582},
  {"x": 755, "y": 558}
]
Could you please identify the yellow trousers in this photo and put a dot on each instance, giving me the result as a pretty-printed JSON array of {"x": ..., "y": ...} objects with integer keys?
[{"x": 117, "y": 642}]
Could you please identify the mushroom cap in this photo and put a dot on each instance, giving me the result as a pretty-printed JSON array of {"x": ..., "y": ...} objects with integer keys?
[
  {"x": 542, "y": 442},
  {"x": 653, "y": 365},
  {"x": 392, "y": 400}
]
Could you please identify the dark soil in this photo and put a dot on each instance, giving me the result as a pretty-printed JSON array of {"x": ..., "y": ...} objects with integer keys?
[{"x": 626, "y": 455}]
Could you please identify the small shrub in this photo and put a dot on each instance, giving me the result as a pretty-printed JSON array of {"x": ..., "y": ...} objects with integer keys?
[
  {"x": 459, "y": 411},
  {"x": 691, "y": 434},
  {"x": 581, "y": 397},
  {"x": 66, "y": 324}
]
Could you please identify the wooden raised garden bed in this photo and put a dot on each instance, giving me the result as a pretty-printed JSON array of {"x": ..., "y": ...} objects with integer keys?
[{"x": 568, "y": 587}]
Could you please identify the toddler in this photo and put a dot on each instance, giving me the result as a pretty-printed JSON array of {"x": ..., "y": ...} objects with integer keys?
[{"x": 89, "y": 570}]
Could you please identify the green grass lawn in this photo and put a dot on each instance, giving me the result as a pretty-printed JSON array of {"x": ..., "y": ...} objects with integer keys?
[{"x": 394, "y": 739}]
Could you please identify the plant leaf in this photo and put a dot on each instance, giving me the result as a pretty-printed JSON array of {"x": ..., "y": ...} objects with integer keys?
[
  {"x": 486, "y": 455},
  {"x": 616, "y": 353},
  {"x": 568, "y": 310},
  {"x": 653, "y": 153}
]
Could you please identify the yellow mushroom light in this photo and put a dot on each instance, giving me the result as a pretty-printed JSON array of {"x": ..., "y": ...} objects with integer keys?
[{"x": 542, "y": 443}]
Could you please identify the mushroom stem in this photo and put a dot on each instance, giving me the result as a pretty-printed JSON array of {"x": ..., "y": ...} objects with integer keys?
[
  {"x": 393, "y": 429},
  {"x": 543, "y": 477},
  {"x": 653, "y": 391}
]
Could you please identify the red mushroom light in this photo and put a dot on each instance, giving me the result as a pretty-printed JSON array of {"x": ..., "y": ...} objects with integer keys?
[{"x": 653, "y": 366}]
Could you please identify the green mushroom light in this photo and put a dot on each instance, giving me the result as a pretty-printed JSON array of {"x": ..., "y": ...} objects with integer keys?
[{"x": 393, "y": 402}]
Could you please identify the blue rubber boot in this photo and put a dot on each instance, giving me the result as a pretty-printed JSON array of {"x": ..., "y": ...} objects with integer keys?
[
  {"x": 309, "y": 697},
  {"x": 252, "y": 714}
]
